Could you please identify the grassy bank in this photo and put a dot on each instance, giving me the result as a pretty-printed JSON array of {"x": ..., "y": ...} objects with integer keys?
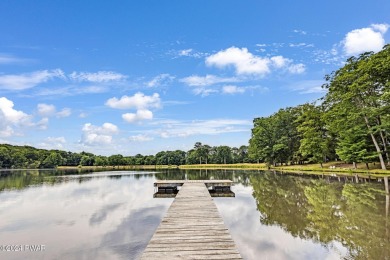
[
  {"x": 336, "y": 167},
  {"x": 247, "y": 166},
  {"x": 331, "y": 167},
  {"x": 120, "y": 167}
]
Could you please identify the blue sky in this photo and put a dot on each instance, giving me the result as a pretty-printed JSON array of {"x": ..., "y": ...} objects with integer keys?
[{"x": 134, "y": 77}]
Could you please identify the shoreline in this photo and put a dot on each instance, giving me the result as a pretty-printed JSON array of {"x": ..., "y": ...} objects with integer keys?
[{"x": 309, "y": 169}]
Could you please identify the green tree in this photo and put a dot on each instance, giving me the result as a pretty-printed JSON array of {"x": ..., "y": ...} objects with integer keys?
[
  {"x": 202, "y": 152},
  {"x": 116, "y": 159},
  {"x": 223, "y": 154},
  {"x": 275, "y": 138},
  {"x": 100, "y": 161},
  {"x": 353, "y": 146},
  {"x": 52, "y": 161},
  {"x": 5, "y": 157},
  {"x": 360, "y": 91},
  {"x": 316, "y": 140}
]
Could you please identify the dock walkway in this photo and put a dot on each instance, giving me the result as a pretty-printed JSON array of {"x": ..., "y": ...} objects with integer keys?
[{"x": 192, "y": 229}]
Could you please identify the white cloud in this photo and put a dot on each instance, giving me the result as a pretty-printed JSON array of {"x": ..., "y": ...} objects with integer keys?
[
  {"x": 300, "y": 32},
  {"x": 208, "y": 80},
  {"x": 83, "y": 115},
  {"x": 28, "y": 80},
  {"x": 202, "y": 91},
  {"x": 98, "y": 135},
  {"x": 302, "y": 44},
  {"x": 160, "y": 80},
  {"x": 380, "y": 27},
  {"x": 140, "y": 138},
  {"x": 297, "y": 68},
  {"x": 280, "y": 61},
  {"x": 308, "y": 86},
  {"x": 98, "y": 77},
  {"x": 365, "y": 39},
  {"x": 202, "y": 127},
  {"x": 42, "y": 124},
  {"x": 9, "y": 59},
  {"x": 71, "y": 91},
  {"x": 53, "y": 143},
  {"x": 6, "y": 130},
  {"x": 11, "y": 118},
  {"x": 140, "y": 115},
  {"x": 242, "y": 60},
  {"x": 9, "y": 114},
  {"x": 138, "y": 101},
  {"x": 65, "y": 112},
  {"x": 245, "y": 62},
  {"x": 186, "y": 52},
  {"x": 231, "y": 89},
  {"x": 47, "y": 110}
]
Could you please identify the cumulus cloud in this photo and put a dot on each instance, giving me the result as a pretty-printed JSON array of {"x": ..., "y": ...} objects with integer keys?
[
  {"x": 9, "y": 114},
  {"x": 140, "y": 115},
  {"x": 365, "y": 39},
  {"x": 28, "y": 80},
  {"x": 242, "y": 60},
  {"x": 11, "y": 118},
  {"x": 98, "y": 77},
  {"x": 138, "y": 101},
  {"x": 280, "y": 61},
  {"x": 297, "y": 68},
  {"x": 245, "y": 63},
  {"x": 48, "y": 110},
  {"x": 231, "y": 89},
  {"x": 98, "y": 135},
  {"x": 208, "y": 80}
]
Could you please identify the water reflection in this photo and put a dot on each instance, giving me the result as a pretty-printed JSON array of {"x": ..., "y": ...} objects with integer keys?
[
  {"x": 305, "y": 218},
  {"x": 80, "y": 217},
  {"x": 112, "y": 215}
]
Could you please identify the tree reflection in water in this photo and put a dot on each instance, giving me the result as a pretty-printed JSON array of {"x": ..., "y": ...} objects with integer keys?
[{"x": 356, "y": 215}]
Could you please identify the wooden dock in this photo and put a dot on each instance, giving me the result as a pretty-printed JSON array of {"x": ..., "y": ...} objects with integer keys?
[
  {"x": 192, "y": 229},
  {"x": 208, "y": 183}
]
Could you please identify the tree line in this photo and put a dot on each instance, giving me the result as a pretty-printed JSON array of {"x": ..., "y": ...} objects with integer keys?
[
  {"x": 351, "y": 122},
  {"x": 29, "y": 157}
]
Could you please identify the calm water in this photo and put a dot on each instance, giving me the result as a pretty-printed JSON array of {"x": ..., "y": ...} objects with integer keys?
[{"x": 112, "y": 215}]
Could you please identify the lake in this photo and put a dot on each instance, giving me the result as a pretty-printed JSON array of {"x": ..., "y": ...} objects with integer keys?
[{"x": 113, "y": 215}]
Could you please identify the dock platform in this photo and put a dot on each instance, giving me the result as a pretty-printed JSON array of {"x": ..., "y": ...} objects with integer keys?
[
  {"x": 208, "y": 183},
  {"x": 192, "y": 228}
]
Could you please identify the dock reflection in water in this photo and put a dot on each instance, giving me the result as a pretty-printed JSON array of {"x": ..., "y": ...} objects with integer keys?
[{"x": 170, "y": 188}]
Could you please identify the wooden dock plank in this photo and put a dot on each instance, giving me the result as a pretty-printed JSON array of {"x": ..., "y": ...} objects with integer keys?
[{"x": 192, "y": 228}]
